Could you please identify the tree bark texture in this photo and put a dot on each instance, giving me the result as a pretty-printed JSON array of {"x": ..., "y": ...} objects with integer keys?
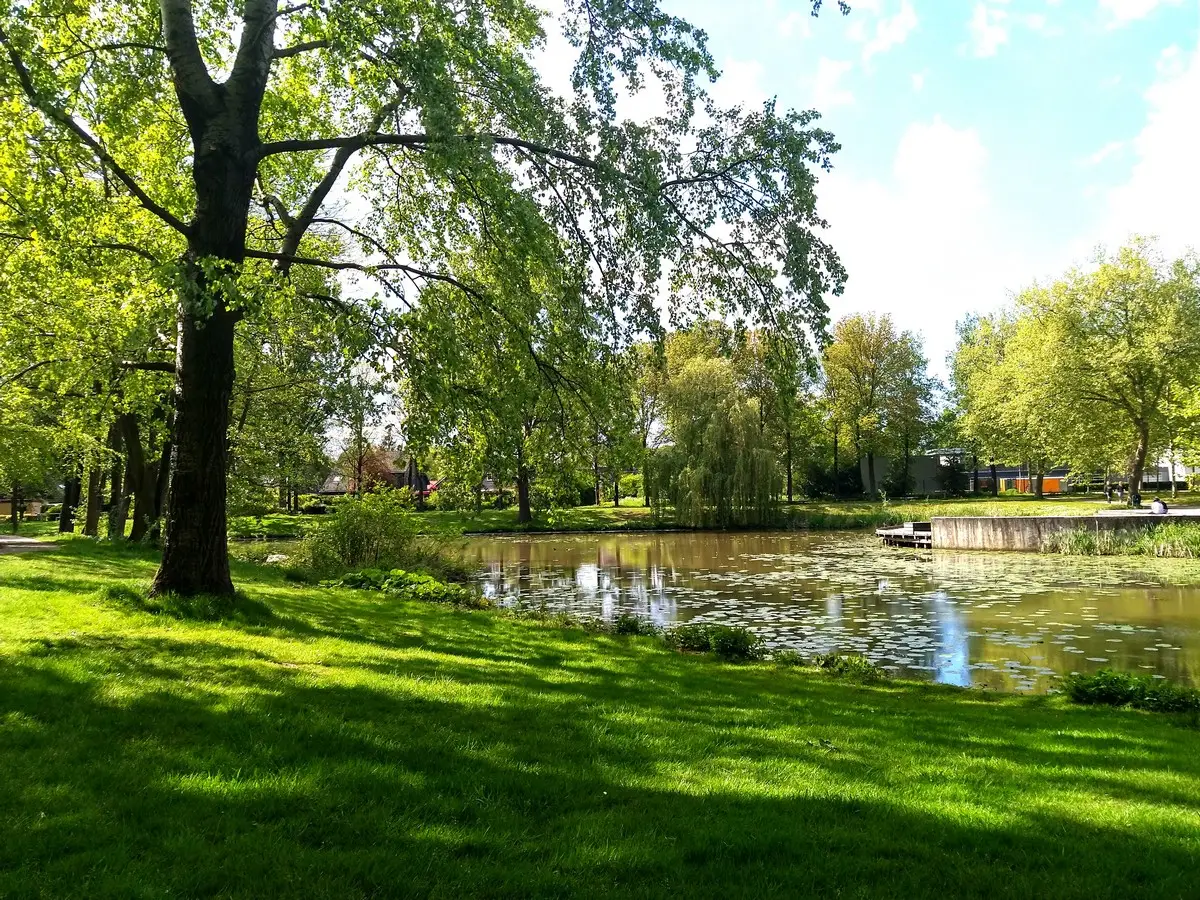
[
  {"x": 223, "y": 123},
  {"x": 72, "y": 490},
  {"x": 91, "y": 521},
  {"x": 995, "y": 481},
  {"x": 1138, "y": 469}
]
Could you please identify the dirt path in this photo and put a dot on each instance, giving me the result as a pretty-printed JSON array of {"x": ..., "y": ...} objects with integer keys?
[{"x": 10, "y": 543}]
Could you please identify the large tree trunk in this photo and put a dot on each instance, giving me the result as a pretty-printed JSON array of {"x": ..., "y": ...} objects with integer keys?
[
  {"x": 223, "y": 123},
  {"x": 1039, "y": 481},
  {"x": 91, "y": 521},
  {"x": 1139, "y": 461},
  {"x": 524, "y": 513},
  {"x": 995, "y": 479},
  {"x": 196, "y": 548}
]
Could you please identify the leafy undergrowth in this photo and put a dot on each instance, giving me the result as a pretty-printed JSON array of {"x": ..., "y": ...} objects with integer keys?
[
  {"x": 353, "y": 744},
  {"x": 1110, "y": 688}
]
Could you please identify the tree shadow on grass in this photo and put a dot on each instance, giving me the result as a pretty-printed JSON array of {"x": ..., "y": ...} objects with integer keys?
[{"x": 152, "y": 765}]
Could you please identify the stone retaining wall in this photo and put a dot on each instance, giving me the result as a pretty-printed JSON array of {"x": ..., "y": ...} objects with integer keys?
[{"x": 1027, "y": 533}]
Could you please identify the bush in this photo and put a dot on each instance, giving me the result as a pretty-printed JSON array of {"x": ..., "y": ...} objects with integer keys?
[
  {"x": 631, "y": 485},
  {"x": 411, "y": 586},
  {"x": 375, "y": 531},
  {"x": 626, "y": 623},
  {"x": 1110, "y": 688},
  {"x": 856, "y": 667},
  {"x": 788, "y": 659},
  {"x": 730, "y": 642}
]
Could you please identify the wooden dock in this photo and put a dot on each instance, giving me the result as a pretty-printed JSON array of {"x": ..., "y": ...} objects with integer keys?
[{"x": 910, "y": 534}]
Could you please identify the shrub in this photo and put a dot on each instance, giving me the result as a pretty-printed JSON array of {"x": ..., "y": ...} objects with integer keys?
[
  {"x": 788, "y": 659},
  {"x": 411, "y": 586},
  {"x": 627, "y": 623},
  {"x": 735, "y": 643},
  {"x": 373, "y": 531},
  {"x": 1110, "y": 688},
  {"x": 852, "y": 666},
  {"x": 730, "y": 642},
  {"x": 689, "y": 638},
  {"x": 631, "y": 485}
]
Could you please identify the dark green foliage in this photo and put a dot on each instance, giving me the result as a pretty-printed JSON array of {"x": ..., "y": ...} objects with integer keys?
[
  {"x": 729, "y": 642},
  {"x": 411, "y": 586},
  {"x": 626, "y": 623},
  {"x": 789, "y": 659},
  {"x": 1110, "y": 688},
  {"x": 855, "y": 667}
]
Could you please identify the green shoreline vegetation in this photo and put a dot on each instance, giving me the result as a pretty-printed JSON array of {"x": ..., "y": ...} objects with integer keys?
[{"x": 331, "y": 742}]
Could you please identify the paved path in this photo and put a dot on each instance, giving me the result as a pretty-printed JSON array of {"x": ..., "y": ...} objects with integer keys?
[{"x": 10, "y": 543}]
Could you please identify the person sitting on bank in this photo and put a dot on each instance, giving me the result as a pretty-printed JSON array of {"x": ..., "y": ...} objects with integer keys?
[{"x": 1158, "y": 508}]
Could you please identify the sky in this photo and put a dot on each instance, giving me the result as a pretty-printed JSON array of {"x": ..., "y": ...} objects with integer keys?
[{"x": 986, "y": 144}]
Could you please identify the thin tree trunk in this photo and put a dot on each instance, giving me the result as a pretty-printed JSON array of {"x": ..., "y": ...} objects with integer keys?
[
  {"x": 995, "y": 479},
  {"x": 871, "y": 472},
  {"x": 975, "y": 482},
  {"x": 837, "y": 488},
  {"x": 16, "y": 503},
  {"x": 116, "y": 505},
  {"x": 91, "y": 522},
  {"x": 1139, "y": 461},
  {"x": 616, "y": 489},
  {"x": 72, "y": 490},
  {"x": 904, "y": 489},
  {"x": 788, "y": 439}
]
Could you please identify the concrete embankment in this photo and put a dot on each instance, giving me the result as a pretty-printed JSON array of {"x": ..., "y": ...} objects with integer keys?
[{"x": 1030, "y": 533}]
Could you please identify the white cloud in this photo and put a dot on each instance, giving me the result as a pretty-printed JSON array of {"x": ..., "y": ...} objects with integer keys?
[
  {"x": 796, "y": 25},
  {"x": 918, "y": 81},
  {"x": 988, "y": 29},
  {"x": 1122, "y": 12},
  {"x": 741, "y": 82},
  {"x": 922, "y": 245},
  {"x": 827, "y": 91},
  {"x": 891, "y": 31},
  {"x": 1112, "y": 148},
  {"x": 1162, "y": 193}
]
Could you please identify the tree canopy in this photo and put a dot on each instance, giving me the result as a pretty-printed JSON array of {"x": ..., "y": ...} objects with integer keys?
[{"x": 232, "y": 153}]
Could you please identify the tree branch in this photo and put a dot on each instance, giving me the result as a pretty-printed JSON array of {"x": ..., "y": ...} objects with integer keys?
[
  {"x": 68, "y": 122},
  {"x": 297, "y": 49},
  {"x": 193, "y": 84},
  {"x": 33, "y": 367},
  {"x": 152, "y": 366},
  {"x": 369, "y": 139}
]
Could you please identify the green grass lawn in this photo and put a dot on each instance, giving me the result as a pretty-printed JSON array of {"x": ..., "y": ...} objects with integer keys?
[
  {"x": 815, "y": 514},
  {"x": 348, "y": 745}
]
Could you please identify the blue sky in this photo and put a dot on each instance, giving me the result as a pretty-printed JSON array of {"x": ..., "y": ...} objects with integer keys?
[{"x": 985, "y": 143}]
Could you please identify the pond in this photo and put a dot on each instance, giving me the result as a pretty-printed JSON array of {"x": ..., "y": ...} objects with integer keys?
[{"x": 1002, "y": 620}]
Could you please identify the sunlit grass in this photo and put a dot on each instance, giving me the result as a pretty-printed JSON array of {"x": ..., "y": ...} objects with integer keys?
[{"x": 347, "y": 745}]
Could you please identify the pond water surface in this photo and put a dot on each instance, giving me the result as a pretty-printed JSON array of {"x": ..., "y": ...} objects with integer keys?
[{"x": 1004, "y": 620}]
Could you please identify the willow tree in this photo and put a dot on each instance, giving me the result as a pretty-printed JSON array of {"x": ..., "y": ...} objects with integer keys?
[{"x": 233, "y": 126}]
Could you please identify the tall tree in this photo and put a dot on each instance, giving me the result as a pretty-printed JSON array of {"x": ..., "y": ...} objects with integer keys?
[
  {"x": 440, "y": 113},
  {"x": 1111, "y": 346},
  {"x": 877, "y": 385}
]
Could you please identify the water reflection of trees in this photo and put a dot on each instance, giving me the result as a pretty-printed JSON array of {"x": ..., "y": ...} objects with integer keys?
[{"x": 1000, "y": 620}]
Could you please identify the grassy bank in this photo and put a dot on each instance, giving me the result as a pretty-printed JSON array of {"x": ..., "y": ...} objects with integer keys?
[
  {"x": 344, "y": 744},
  {"x": 814, "y": 515},
  {"x": 1168, "y": 540}
]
